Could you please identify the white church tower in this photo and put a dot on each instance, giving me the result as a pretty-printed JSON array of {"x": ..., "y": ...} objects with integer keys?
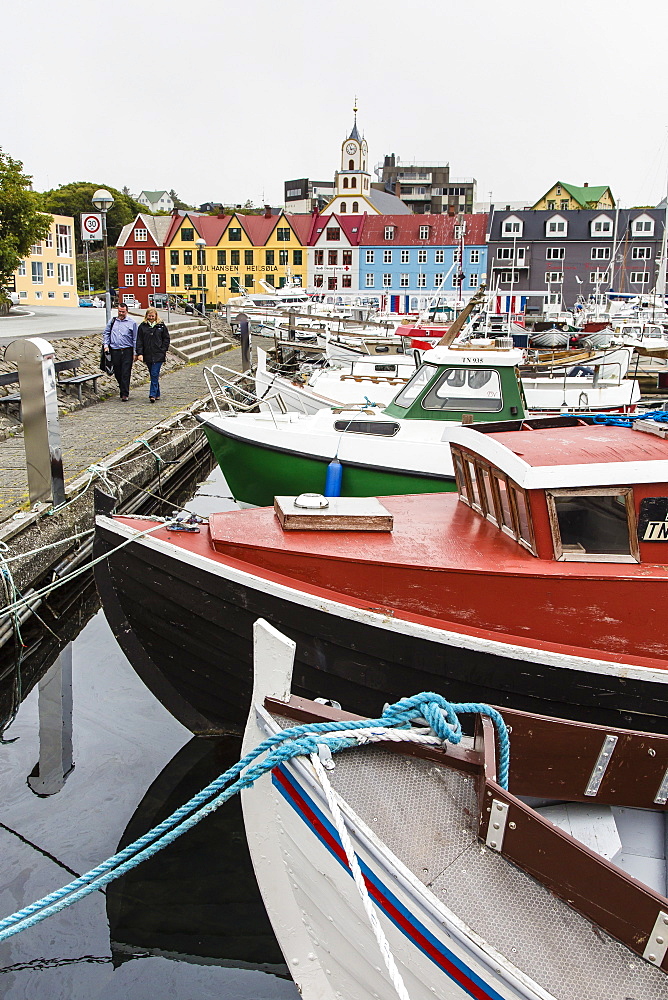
[{"x": 352, "y": 182}]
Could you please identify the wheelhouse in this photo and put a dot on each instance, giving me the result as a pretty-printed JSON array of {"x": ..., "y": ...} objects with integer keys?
[{"x": 569, "y": 489}]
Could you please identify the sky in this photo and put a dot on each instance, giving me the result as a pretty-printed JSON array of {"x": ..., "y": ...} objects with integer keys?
[{"x": 224, "y": 101}]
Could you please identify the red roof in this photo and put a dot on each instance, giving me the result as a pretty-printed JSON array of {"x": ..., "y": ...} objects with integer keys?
[
  {"x": 407, "y": 230},
  {"x": 352, "y": 226},
  {"x": 583, "y": 445}
]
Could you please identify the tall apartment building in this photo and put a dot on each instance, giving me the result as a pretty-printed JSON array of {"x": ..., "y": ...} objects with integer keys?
[{"x": 426, "y": 188}]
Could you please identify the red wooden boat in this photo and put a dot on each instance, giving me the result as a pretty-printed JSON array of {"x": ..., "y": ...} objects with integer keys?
[{"x": 541, "y": 584}]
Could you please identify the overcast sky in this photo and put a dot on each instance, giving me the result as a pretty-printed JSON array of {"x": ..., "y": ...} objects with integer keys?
[{"x": 223, "y": 100}]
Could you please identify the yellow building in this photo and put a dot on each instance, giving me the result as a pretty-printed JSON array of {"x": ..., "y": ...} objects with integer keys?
[
  {"x": 224, "y": 256},
  {"x": 48, "y": 276},
  {"x": 561, "y": 197}
]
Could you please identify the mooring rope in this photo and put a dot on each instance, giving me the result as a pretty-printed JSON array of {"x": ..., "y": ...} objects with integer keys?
[{"x": 305, "y": 740}]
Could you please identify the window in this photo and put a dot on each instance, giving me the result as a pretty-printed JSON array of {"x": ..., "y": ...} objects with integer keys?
[
  {"x": 387, "y": 281},
  {"x": 475, "y": 390},
  {"x": 332, "y": 257},
  {"x": 37, "y": 272},
  {"x": 504, "y": 253},
  {"x": 333, "y": 234},
  {"x": 21, "y": 269},
  {"x": 459, "y": 232},
  {"x": 492, "y": 494},
  {"x": 456, "y": 278},
  {"x": 511, "y": 227},
  {"x": 353, "y": 182},
  {"x": 347, "y": 257},
  {"x": 175, "y": 280},
  {"x": 49, "y": 270},
  {"x": 141, "y": 256},
  {"x": 600, "y": 253},
  {"x": 384, "y": 428},
  {"x": 596, "y": 277},
  {"x": 48, "y": 241},
  {"x": 234, "y": 234},
  {"x": 403, "y": 281},
  {"x": 563, "y": 205},
  {"x": 319, "y": 257},
  {"x": 389, "y": 232},
  {"x": 422, "y": 256},
  {"x": 422, "y": 280},
  {"x": 370, "y": 256},
  {"x": 593, "y": 525},
  {"x": 555, "y": 253},
  {"x": 248, "y": 280},
  {"x": 601, "y": 226},
  {"x": 235, "y": 285},
  {"x": 639, "y": 277},
  {"x": 283, "y": 234},
  {"x": 155, "y": 280},
  {"x": 351, "y": 164},
  {"x": 141, "y": 235},
  {"x": 345, "y": 182},
  {"x": 424, "y": 232},
  {"x": 174, "y": 257},
  {"x": 248, "y": 258},
  {"x": 221, "y": 257},
  {"x": 317, "y": 280},
  {"x": 129, "y": 279},
  {"x": 36, "y": 249},
  {"x": 551, "y": 205},
  {"x": 201, "y": 256},
  {"x": 356, "y": 207},
  {"x": 201, "y": 281},
  {"x": 641, "y": 253},
  {"x": 297, "y": 258},
  {"x": 438, "y": 280},
  {"x": 141, "y": 280},
  {"x": 187, "y": 235},
  {"x": 283, "y": 258},
  {"x": 369, "y": 280},
  {"x": 155, "y": 256},
  {"x": 38, "y": 295},
  {"x": 387, "y": 256},
  {"x": 556, "y": 227},
  {"x": 473, "y": 280},
  {"x": 235, "y": 256},
  {"x": 269, "y": 279},
  {"x": 331, "y": 284},
  {"x": 23, "y": 295},
  {"x": 405, "y": 256},
  {"x": 51, "y": 295},
  {"x": 63, "y": 241},
  {"x": 642, "y": 226},
  {"x": 187, "y": 257},
  {"x": 509, "y": 276},
  {"x": 553, "y": 277},
  {"x": 222, "y": 280},
  {"x": 474, "y": 256},
  {"x": 127, "y": 257},
  {"x": 439, "y": 256},
  {"x": 347, "y": 281}
]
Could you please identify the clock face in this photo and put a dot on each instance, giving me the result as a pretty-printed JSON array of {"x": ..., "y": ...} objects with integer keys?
[{"x": 351, "y": 148}]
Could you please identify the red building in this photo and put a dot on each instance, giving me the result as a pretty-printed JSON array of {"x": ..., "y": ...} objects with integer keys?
[{"x": 141, "y": 258}]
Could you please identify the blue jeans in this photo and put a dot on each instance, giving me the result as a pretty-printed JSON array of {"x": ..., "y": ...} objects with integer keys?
[{"x": 154, "y": 370}]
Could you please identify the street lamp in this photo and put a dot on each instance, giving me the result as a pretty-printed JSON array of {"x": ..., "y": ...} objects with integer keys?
[
  {"x": 201, "y": 244},
  {"x": 173, "y": 267},
  {"x": 103, "y": 200}
]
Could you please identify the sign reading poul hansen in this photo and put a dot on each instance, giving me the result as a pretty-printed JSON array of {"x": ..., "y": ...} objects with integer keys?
[{"x": 91, "y": 226}]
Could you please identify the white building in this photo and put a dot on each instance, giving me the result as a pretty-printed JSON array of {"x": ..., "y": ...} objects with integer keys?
[{"x": 156, "y": 201}]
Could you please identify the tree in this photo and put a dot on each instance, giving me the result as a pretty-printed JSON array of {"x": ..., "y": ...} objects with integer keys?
[
  {"x": 177, "y": 201},
  {"x": 76, "y": 197},
  {"x": 21, "y": 222}
]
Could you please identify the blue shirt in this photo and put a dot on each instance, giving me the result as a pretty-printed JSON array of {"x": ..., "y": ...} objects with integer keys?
[{"x": 123, "y": 333}]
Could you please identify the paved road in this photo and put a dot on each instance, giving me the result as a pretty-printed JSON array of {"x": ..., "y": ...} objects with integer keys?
[{"x": 57, "y": 323}]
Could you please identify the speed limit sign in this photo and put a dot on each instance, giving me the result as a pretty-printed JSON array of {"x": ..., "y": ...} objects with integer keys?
[{"x": 91, "y": 226}]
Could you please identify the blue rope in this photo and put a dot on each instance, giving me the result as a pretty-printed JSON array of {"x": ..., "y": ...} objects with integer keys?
[
  {"x": 627, "y": 420},
  {"x": 441, "y": 715}
]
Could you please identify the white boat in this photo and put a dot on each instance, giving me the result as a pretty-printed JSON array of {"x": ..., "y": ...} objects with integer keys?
[{"x": 550, "y": 886}]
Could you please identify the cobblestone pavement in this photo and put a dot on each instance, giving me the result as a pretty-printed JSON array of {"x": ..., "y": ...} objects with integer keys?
[{"x": 89, "y": 435}]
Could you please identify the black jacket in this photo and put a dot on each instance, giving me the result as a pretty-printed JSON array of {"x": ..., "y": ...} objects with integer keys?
[{"x": 152, "y": 342}]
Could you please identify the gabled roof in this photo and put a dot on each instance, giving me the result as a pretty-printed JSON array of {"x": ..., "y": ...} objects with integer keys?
[
  {"x": 258, "y": 228},
  {"x": 301, "y": 223},
  {"x": 351, "y": 226},
  {"x": 586, "y": 197},
  {"x": 153, "y": 196},
  {"x": 407, "y": 230},
  {"x": 387, "y": 204},
  {"x": 157, "y": 225}
]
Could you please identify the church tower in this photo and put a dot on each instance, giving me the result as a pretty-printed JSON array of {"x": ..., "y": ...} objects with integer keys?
[{"x": 353, "y": 179}]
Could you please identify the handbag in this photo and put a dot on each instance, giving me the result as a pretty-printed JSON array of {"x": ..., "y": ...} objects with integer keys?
[{"x": 106, "y": 365}]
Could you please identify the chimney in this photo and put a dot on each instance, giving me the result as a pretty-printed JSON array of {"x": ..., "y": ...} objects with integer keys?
[
  {"x": 451, "y": 211},
  {"x": 267, "y": 211},
  {"x": 586, "y": 184},
  {"x": 397, "y": 189}
]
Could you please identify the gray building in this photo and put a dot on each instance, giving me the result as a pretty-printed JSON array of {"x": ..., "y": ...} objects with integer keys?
[
  {"x": 304, "y": 195},
  {"x": 560, "y": 255},
  {"x": 426, "y": 187}
]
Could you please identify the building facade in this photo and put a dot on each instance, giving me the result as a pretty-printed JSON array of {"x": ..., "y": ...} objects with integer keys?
[
  {"x": 140, "y": 254},
  {"x": 556, "y": 256},
  {"x": 48, "y": 276},
  {"x": 333, "y": 253},
  {"x": 305, "y": 196},
  {"x": 426, "y": 188},
  {"x": 156, "y": 201},
  {"x": 567, "y": 197}
]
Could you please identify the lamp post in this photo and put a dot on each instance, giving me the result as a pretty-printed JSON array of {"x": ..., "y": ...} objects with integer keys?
[
  {"x": 173, "y": 267},
  {"x": 103, "y": 201},
  {"x": 201, "y": 244}
]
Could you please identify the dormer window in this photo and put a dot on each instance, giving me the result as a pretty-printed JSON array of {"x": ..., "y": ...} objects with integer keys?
[
  {"x": 389, "y": 232},
  {"x": 459, "y": 232},
  {"x": 556, "y": 227},
  {"x": 512, "y": 226},
  {"x": 600, "y": 226},
  {"x": 642, "y": 226},
  {"x": 424, "y": 232},
  {"x": 333, "y": 233}
]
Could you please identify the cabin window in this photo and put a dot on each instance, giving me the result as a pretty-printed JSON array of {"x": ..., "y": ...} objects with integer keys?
[
  {"x": 593, "y": 525},
  {"x": 383, "y": 428},
  {"x": 463, "y": 389},
  {"x": 412, "y": 389}
]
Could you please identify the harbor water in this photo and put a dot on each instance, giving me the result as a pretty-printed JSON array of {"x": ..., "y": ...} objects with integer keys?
[{"x": 188, "y": 924}]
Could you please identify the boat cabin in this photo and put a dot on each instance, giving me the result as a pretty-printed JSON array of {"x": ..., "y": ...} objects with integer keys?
[
  {"x": 569, "y": 488},
  {"x": 454, "y": 383}
]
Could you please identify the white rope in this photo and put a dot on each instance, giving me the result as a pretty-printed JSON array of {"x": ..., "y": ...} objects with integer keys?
[
  {"x": 369, "y": 909},
  {"x": 379, "y": 734}
]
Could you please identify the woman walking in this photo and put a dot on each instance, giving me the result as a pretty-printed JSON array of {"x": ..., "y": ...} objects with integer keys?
[{"x": 152, "y": 344}]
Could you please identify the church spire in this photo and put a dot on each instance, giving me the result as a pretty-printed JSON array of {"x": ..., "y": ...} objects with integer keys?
[{"x": 355, "y": 132}]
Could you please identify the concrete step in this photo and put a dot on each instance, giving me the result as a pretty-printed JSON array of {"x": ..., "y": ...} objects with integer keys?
[
  {"x": 184, "y": 338},
  {"x": 218, "y": 346},
  {"x": 198, "y": 345}
]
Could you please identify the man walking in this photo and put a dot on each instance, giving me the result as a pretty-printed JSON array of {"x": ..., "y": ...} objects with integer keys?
[{"x": 119, "y": 337}]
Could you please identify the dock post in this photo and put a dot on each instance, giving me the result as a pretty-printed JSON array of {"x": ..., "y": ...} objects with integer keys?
[
  {"x": 55, "y": 727},
  {"x": 244, "y": 334},
  {"x": 35, "y": 360}
]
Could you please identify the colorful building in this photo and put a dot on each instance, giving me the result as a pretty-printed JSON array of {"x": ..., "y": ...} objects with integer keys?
[
  {"x": 48, "y": 276},
  {"x": 333, "y": 254},
  {"x": 141, "y": 259},
  {"x": 567, "y": 197}
]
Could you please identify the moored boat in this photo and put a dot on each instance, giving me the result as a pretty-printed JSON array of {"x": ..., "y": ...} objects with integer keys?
[{"x": 540, "y": 584}]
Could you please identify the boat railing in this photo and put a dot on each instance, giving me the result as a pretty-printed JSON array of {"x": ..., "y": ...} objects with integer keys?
[{"x": 234, "y": 392}]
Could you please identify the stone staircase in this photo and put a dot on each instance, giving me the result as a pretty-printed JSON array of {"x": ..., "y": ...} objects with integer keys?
[{"x": 190, "y": 339}]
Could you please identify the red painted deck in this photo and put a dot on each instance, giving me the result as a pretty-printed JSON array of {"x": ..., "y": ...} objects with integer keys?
[{"x": 583, "y": 444}]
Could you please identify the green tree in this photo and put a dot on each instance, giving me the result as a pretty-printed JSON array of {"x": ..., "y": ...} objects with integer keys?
[
  {"x": 177, "y": 201},
  {"x": 21, "y": 221},
  {"x": 76, "y": 197}
]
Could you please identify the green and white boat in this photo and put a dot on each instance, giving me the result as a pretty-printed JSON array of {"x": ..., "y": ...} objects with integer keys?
[{"x": 403, "y": 448}]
